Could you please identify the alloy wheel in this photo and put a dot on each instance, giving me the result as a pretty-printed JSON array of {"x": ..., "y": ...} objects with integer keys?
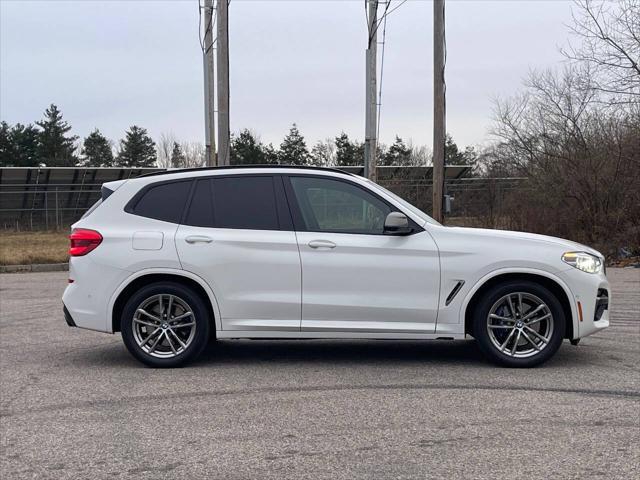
[
  {"x": 520, "y": 325},
  {"x": 164, "y": 326}
]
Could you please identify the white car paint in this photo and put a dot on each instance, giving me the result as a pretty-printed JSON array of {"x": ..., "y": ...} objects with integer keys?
[{"x": 273, "y": 284}]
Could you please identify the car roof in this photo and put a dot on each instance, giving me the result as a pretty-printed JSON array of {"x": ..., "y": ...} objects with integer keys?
[{"x": 240, "y": 168}]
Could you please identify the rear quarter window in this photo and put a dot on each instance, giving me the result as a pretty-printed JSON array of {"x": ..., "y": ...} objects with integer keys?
[{"x": 163, "y": 201}]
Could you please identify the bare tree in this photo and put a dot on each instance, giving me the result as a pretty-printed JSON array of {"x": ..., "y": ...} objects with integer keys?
[
  {"x": 323, "y": 153},
  {"x": 164, "y": 148},
  {"x": 420, "y": 155},
  {"x": 582, "y": 161},
  {"x": 608, "y": 35},
  {"x": 193, "y": 154}
]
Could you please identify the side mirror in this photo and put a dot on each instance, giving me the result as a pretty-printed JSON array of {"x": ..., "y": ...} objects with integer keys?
[{"x": 397, "y": 223}]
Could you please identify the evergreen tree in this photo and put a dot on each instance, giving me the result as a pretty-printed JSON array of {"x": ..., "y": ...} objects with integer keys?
[
  {"x": 271, "y": 156},
  {"x": 293, "y": 149},
  {"x": 453, "y": 155},
  {"x": 18, "y": 145},
  {"x": 178, "y": 159},
  {"x": 6, "y": 145},
  {"x": 55, "y": 148},
  {"x": 25, "y": 141},
  {"x": 96, "y": 150},
  {"x": 398, "y": 154},
  {"x": 246, "y": 149},
  {"x": 137, "y": 149},
  {"x": 348, "y": 152}
]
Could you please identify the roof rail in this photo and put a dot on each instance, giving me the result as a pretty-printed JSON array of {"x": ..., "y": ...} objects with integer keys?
[{"x": 234, "y": 167}]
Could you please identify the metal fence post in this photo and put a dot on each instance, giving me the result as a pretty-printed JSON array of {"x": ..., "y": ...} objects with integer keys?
[{"x": 57, "y": 217}]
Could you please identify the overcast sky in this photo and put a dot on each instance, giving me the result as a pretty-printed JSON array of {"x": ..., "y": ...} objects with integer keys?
[{"x": 111, "y": 64}]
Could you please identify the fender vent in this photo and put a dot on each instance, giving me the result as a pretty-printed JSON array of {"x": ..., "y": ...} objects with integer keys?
[{"x": 454, "y": 292}]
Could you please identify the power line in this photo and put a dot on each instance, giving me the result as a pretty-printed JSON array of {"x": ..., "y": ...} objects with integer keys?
[
  {"x": 384, "y": 16},
  {"x": 211, "y": 25},
  {"x": 383, "y": 22},
  {"x": 396, "y": 7},
  {"x": 384, "y": 41}
]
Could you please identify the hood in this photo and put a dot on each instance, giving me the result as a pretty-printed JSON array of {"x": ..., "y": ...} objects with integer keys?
[{"x": 534, "y": 237}]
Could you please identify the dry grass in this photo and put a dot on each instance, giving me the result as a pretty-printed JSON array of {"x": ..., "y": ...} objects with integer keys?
[{"x": 24, "y": 248}]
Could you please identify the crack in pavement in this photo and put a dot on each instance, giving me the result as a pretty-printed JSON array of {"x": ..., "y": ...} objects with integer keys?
[{"x": 625, "y": 394}]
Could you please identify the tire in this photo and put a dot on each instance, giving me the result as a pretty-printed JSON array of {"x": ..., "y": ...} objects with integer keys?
[
  {"x": 536, "y": 308},
  {"x": 165, "y": 325}
]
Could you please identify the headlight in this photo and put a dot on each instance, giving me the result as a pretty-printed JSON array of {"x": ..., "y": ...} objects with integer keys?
[{"x": 583, "y": 261}]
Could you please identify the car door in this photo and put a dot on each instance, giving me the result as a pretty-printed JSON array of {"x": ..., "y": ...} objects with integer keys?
[
  {"x": 238, "y": 235},
  {"x": 355, "y": 278}
]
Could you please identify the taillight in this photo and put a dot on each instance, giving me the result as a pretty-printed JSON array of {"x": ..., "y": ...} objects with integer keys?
[{"x": 83, "y": 241}]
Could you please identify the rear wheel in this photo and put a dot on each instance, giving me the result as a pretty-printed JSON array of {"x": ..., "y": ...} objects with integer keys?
[
  {"x": 165, "y": 325},
  {"x": 519, "y": 324}
]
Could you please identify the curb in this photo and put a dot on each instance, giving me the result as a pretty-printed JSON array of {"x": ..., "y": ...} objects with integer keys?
[{"x": 39, "y": 267}]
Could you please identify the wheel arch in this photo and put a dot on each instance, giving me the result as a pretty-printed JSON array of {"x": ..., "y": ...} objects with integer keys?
[
  {"x": 549, "y": 281},
  {"x": 146, "y": 277}
]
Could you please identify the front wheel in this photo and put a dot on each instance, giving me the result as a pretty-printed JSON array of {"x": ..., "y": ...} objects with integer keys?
[
  {"x": 165, "y": 325},
  {"x": 519, "y": 324}
]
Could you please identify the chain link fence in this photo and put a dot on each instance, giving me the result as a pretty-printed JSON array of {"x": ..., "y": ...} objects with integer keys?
[{"x": 53, "y": 199}]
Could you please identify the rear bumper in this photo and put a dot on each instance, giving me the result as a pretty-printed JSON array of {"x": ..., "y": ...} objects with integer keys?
[
  {"x": 67, "y": 316},
  {"x": 86, "y": 299}
]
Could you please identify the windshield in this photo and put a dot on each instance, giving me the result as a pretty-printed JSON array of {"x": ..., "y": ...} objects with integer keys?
[{"x": 413, "y": 209}]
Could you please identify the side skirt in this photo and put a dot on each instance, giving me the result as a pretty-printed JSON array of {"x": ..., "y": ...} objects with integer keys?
[{"x": 337, "y": 335}]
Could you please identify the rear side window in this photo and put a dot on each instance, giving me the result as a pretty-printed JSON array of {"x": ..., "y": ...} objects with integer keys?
[
  {"x": 163, "y": 202},
  {"x": 201, "y": 209},
  {"x": 244, "y": 202}
]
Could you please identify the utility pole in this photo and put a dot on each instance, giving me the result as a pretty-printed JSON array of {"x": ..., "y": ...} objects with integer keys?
[
  {"x": 223, "y": 82},
  {"x": 438, "y": 108},
  {"x": 370, "y": 141},
  {"x": 209, "y": 87}
]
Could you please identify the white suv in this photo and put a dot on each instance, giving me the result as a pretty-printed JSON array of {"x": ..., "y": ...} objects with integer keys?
[{"x": 174, "y": 259}]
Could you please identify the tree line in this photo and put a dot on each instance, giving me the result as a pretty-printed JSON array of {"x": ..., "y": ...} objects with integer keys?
[
  {"x": 49, "y": 143},
  {"x": 574, "y": 134}
]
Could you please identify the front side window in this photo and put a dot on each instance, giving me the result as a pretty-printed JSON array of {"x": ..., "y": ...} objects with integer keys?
[{"x": 334, "y": 206}]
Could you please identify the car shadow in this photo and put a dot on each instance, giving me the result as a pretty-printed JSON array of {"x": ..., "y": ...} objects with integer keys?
[
  {"x": 351, "y": 352},
  {"x": 305, "y": 352},
  {"x": 340, "y": 352}
]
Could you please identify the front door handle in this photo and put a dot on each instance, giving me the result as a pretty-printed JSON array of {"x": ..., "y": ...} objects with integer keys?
[
  {"x": 321, "y": 244},
  {"x": 198, "y": 239}
]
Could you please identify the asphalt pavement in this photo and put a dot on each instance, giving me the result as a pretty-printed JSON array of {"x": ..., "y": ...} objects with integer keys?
[{"x": 74, "y": 404}]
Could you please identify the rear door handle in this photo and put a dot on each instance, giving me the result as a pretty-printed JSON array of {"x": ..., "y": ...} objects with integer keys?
[
  {"x": 321, "y": 244},
  {"x": 198, "y": 239}
]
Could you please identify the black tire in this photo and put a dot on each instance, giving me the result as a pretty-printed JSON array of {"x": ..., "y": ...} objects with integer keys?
[
  {"x": 481, "y": 330},
  {"x": 200, "y": 313}
]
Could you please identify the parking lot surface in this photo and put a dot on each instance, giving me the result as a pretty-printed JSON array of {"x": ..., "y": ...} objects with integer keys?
[{"x": 75, "y": 404}]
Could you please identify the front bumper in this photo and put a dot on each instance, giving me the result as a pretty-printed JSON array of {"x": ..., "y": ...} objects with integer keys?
[{"x": 592, "y": 301}]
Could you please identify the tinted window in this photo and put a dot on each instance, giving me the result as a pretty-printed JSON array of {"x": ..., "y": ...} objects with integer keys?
[
  {"x": 335, "y": 206},
  {"x": 245, "y": 202},
  {"x": 201, "y": 209},
  {"x": 164, "y": 202}
]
